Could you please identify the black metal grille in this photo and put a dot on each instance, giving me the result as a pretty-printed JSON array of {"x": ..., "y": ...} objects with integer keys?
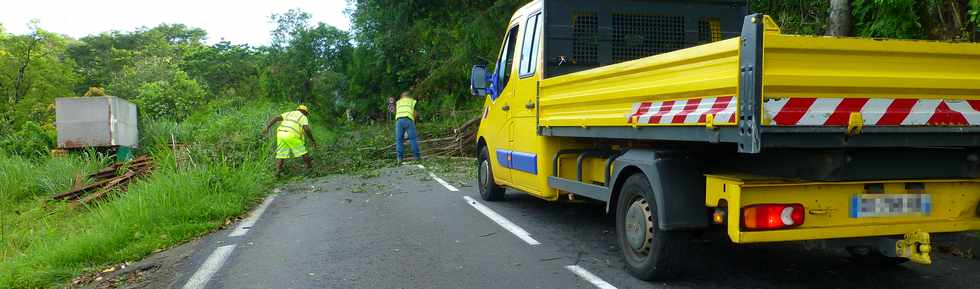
[
  {"x": 585, "y": 43},
  {"x": 704, "y": 31},
  {"x": 708, "y": 30},
  {"x": 641, "y": 35}
]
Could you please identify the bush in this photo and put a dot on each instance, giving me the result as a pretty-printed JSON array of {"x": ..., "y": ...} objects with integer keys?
[
  {"x": 31, "y": 141},
  {"x": 173, "y": 99},
  {"x": 95, "y": 91}
]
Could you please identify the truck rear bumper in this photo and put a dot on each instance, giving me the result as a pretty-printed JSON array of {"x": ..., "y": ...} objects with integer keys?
[
  {"x": 835, "y": 210},
  {"x": 802, "y": 234}
]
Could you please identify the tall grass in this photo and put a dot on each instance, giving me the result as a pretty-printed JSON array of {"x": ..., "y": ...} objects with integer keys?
[{"x": 22, "y": 182}]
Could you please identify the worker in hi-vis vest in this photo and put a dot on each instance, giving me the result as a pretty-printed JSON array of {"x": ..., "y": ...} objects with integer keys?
[
  {"x": 290, "y": 137},
  {"x": 405, "y": 116}
]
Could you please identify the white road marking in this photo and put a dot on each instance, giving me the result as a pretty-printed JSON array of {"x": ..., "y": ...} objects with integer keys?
[
  {"x": 210, "y": 266},
  {"x": 588, "y": 276},
  {"x": 503, "y": 222},
  {"x": 440, "y": 180},
  {"x": 250, "y": 221}
]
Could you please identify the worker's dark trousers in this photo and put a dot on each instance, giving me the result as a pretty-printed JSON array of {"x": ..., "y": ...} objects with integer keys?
[{"x": 405, "y": 126}]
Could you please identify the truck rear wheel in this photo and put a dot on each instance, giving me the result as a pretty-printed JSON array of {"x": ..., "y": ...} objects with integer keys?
[
  {"x": 650, "y": 253},
  {"x": 489, "y": 190}
]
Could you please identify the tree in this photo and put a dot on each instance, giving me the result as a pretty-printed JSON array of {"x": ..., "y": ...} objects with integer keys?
[
  {"x": 839, "y": 21},
  {"x": 226, "y": 69},
  {"x": 175, "y": 98},
  {"x": 102, "y": 57},
  {"x": 422, "y": 46},
  {"x": 31, "y": 42},
  {"x": 33, "y": 71},
  {"x": 306, "y": 63}
]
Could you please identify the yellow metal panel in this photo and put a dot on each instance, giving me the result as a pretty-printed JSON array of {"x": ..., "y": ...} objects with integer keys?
[
  {"x": 954, "y": 205},
  {"x": 592, "y": 169},
  {"x": 804, "y": 66},
  {"x": 604, "y": 96}
]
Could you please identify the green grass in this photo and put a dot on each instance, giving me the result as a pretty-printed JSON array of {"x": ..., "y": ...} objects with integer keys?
[{"x": 169, "y": 207}]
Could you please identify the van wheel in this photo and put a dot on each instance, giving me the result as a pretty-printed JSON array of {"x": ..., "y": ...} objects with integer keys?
[
  {"x": 489, "y": 190},
  {"x": 650, "y": 253}
]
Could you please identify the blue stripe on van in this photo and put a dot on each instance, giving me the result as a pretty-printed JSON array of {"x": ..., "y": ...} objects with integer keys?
[
  {"x": 855, "y": 205},
  {"x": 526, "y": 162},
  {"x": 503, "y": 158}
]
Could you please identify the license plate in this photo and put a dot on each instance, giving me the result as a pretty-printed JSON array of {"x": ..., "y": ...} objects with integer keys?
[{"x": 890, "y": 205}]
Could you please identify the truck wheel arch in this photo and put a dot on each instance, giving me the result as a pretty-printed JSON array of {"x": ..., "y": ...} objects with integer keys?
[
  {"x": 677, "y": 182},
  {"x": 620, "y": 177},
  {"x": 480, "y": 143}
]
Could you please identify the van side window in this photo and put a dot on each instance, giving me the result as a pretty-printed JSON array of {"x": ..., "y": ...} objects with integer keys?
[
  {"x": 529, "y": 53},
  {"x": 506, "y": 61}
]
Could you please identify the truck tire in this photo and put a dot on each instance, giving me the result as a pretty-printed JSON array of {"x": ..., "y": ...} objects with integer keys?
[
  {"x": 489, "y": 190},
  {"x": 650, "y": 253}
]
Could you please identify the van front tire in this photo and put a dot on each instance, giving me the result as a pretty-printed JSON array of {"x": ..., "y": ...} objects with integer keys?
[
  {"x": 650, "y": 253},
  {"x": 489, "y": 190}
]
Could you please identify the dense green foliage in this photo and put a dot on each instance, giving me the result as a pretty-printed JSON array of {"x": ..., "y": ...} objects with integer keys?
[{"x": 425, "y": 46}]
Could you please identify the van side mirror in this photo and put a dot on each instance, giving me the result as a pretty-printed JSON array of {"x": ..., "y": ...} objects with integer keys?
[{"x": 478, "y": 80}]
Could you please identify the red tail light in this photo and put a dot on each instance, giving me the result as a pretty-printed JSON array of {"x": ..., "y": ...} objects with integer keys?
[{"x": 772, "y": 216}]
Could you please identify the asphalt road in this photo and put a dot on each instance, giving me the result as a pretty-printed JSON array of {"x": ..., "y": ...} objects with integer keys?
[{"x": 402, "y": 229}]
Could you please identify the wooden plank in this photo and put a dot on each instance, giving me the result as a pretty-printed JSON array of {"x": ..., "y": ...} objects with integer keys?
[
  {"x": 108, "y": 188},
  {"x": 74, "y": 192}
]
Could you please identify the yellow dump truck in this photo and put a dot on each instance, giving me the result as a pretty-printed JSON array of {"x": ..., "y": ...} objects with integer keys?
[{"x": 684, "y": 115}]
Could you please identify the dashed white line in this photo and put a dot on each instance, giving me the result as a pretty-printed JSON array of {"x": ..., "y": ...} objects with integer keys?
[
  {"x": 440, "y": 180},
  {"x": 210, "y": 266},
  {"x": 250, "y": 221},
  {"x": 503, "y": 222},
  {"x": 588, "y": 276}
]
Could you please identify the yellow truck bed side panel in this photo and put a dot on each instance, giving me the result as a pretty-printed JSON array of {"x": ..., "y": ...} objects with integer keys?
[
  {"x": 827, "y": 204},
  {"x": 806, "y": 66},
  {"x": 604, "y": 96}
]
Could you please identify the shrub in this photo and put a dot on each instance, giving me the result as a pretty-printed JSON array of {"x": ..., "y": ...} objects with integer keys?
[
  {"x": 95, "y": 91},
  {"x": 31, "y": 141},
  {"x": 173, "y": 99}
]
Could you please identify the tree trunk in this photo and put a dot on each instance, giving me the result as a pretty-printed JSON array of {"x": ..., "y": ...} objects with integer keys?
[
  {"x": 19, "y": 90},
  {"x": 839, "y": 22}
]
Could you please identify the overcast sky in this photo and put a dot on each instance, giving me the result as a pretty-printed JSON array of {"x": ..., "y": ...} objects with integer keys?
[{"x": 243, "y": 21}]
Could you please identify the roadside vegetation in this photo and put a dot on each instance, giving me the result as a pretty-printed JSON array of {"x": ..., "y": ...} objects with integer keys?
[{"x": 224, "y": 169}]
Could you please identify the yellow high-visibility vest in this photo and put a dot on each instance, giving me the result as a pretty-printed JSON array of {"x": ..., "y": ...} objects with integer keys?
[
  {"x": 293, "y": 122},
  {"x": 405, "y": 107}
]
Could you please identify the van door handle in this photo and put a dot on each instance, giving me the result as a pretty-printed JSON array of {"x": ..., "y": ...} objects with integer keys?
[
  {"x": 505, "y": 107},
  {"x": 529, "y": 105}
]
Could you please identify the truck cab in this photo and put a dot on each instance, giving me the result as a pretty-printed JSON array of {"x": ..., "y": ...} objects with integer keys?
[{"x": 683, "y": 116}]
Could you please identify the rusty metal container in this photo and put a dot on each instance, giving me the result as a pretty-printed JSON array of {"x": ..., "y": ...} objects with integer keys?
[{"x": 104, "y": 121}]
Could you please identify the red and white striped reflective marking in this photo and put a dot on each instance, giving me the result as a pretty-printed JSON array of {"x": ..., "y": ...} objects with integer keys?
[
  {"x": 684, "y": 111},
  {"x": 802, "y": 111}
]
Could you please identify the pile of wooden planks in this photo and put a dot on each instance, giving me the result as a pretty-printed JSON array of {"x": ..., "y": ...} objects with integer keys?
[{"x": 114, "y": 177}]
